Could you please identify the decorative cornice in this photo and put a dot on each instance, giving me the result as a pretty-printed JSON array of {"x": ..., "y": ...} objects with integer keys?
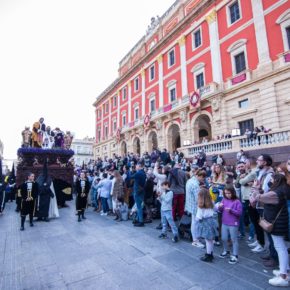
[
  {"x": 160, "y": 58},
  {"x": 211, "y": 17},
  {"x": 181, "y": 40}
]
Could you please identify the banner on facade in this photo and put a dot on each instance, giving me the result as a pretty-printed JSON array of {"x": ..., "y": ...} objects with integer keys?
[
  {"x": 194, "y": 99},
  {"x": 147, "y": 120}
]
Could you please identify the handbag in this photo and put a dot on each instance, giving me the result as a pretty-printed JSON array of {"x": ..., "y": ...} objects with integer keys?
[{"x": 267, "y": 226}]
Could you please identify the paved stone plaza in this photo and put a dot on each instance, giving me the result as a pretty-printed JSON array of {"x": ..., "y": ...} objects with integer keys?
[{"x": 102, "y": 254}]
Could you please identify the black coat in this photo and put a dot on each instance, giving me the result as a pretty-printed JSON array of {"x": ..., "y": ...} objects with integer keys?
[
  {"x": 82, "y": 195},
  {"x": 271, "y": 211},
  {"x": 28, "y": 206}
]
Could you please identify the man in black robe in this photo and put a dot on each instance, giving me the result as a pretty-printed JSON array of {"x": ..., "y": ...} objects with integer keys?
[
  {"x": 44, "y": 194},
  {"x": 2, "y": 190},
  {"x": 29, "y": 194},
  {"x": 82, "y": 189}
]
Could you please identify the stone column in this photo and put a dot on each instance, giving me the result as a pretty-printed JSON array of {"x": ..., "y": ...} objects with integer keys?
[
  {"x": 160, "y": 80},
  {"x": 261, "y": 35},
  {"x": 129, "y": 102},
  {"x": 102, "y": 122},
  {"x": 214, "y": 47},
  {"x": 184, "y": 88},
  {"x": 143, "y": 105},
  {"x": 110, "y": 119}
]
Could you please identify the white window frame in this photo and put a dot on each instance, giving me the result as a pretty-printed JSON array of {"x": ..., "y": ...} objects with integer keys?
[
  {"x": 193, "y": 38},
  {"x": 150, "y": 101},
  {"x": 124, "y": 96},
  {"x": 135, "y": 110},
  {"x": 229, "y": 13},
  {"x": 124, "y": 116},
  {"x": 236, "y": 48},
  {"x": 172, "y": 85},
  {"x": 168, "y": 57},
  {"x": 244, "y": 100},
  {"x": 196, "y": 70},
  {"x": 114, "y": 125},
  {"x": 135, "y": 88},
  {"x": 284, "y": 21},
  {"x": 150, "y": 77}
]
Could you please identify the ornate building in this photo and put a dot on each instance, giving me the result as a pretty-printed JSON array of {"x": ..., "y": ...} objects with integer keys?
[
  {"x": 83, "y": 149},
  {"x": 204, "y": 69}
]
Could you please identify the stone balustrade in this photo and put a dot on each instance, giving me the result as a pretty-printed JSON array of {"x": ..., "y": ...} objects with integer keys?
[{"x": 235, "y": 144}]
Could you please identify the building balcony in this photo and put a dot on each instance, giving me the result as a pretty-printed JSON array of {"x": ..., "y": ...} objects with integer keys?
[
  {"x": 239, "y": 78},
  {"x": 262, "y": 141}
]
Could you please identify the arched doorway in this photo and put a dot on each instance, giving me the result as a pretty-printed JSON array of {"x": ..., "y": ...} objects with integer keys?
[
  {"x": 202, "y": 128},
  {"x": 173, "y": 137},
  {"x": 152, "y": 141},
  {"x": 136, "y": 146},
  {"x": 123, "y": 148}
]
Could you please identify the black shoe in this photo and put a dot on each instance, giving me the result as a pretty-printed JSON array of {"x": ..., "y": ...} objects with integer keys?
[
  {"x": 162, "y": 236},
  {"x": 207, "y": 258},
  {"x": 79, "y": 219},
  {"x": 31, "y": 224},
  {"x": 159, "y": 227},
  {"x": 22, "y": 229},
  {"x": 46, "y": 219},
  {"x": 175, "y": 239},
  {"x": 139, "y": 224}
]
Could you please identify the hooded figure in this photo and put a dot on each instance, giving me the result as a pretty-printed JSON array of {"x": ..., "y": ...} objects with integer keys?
[
  {"x": 45, "y": 193},
  {"x": 2, "y": 190}
]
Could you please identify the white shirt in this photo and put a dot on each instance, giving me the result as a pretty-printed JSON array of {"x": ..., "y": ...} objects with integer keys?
[{"x": 204, "y": 213}]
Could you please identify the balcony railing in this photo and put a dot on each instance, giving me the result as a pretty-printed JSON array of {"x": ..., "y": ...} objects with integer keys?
[{"x": 235, "y": 144}]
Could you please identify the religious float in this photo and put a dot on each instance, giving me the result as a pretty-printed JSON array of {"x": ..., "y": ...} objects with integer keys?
[{"x": 35, "y": 152}]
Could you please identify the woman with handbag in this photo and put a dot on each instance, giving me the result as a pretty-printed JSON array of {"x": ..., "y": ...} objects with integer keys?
[{"x": 275, "y": 221}]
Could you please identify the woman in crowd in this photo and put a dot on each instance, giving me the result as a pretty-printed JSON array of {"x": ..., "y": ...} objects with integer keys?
[{"x": 276, "y": 213}]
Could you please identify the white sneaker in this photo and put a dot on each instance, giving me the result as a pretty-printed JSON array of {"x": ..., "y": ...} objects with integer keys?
[
  {"x": 253, "y": 245},
  {"x": 198, "y": 244},
  {"x": 233, "y": 260},
  {"x": 279, "y": 281},
  {"x": 258, "y": 249},
  {"x": 277, "y": 274}
]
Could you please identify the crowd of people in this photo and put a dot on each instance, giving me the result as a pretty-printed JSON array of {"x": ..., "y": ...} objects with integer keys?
[
  {"x": 247, "y": 202},
  {"x": 219, "y": 205}
]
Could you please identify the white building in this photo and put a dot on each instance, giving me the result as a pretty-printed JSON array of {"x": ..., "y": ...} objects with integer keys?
[
  {"x": 83, "y": 149},
  {"x": 1, "y": 149}
]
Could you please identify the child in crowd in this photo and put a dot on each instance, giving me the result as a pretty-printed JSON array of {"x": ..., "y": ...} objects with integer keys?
[
  {"x": 206, "y": 224},
  {"x": 165, "y": 197},
  {"x": 121, "y": 209},
  {"x": 231, "y": 209}
]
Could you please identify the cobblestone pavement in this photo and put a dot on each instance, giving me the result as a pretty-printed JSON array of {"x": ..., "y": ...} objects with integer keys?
[{"x": 99, "y": 253}]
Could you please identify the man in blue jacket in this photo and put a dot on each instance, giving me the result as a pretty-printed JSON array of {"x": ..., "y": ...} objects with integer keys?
[{"x": 138, "y": 191}]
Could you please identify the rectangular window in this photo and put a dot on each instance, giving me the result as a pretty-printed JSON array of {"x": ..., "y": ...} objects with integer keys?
[
  {"x": 115, "y": 125},
  {"x": 240, "y": 62},
  {"x": 115, "y": 101},
  {"x": 124, "y": 93},
  {"x": 152, "y": 72},
  {"x": 152, "y": 105},
  {"x": 171, "y": 58},
  {"x": 136, "y": 84},
  {"x": 247, "y": 124},
  {"x": 136, "y": 113},
  {"x": 244, "y": 104},
  {"x": 197, "y": 38},
  {"x": 124, "y": 120},
  {"x": 106, "y": 132},
  {"x": 288, "y": 36},
  {"x": 172, "y": 94},
  {"x": 199, "y": 81},
  {"x": 107, "y": 108},
  {"x": 234, "y": 12}
]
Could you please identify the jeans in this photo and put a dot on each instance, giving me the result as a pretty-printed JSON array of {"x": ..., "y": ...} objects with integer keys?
[
  {"x": 193, "y": 228},
  {"x": 255, "y": 217},
  {"x": 139, "y": 198},
  {"x": 231, "y": 231},
  {"x": 245, "y": 212},
  {"x": 281, "y": 249},
  {"x": 272, "y": 250},
  {"x": 94, "y": 194},
  {"x": 289, "y": 219},
  {"x": 166, "y": 216},
  {"x": 105, "y": 204}
]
